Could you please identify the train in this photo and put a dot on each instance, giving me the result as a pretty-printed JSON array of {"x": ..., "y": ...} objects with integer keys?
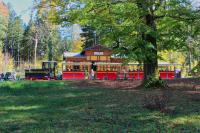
[
  {"x": 102, "y": 71},
  {"x": 97, "y": 62},
  {"x": 114, "y": 71}
]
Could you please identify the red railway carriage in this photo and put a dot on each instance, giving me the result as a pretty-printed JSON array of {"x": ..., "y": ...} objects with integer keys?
[
  {"x": 73, "y": 70},
  {"x": 98, "y": 62},
  {"x": 113, "y": 71}
]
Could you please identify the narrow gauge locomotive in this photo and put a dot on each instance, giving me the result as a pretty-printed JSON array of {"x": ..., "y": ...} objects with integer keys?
[{"x": 47, "y": 72}]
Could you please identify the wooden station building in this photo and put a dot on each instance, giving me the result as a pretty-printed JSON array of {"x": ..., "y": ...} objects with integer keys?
[{"x": 96, "y": 53}]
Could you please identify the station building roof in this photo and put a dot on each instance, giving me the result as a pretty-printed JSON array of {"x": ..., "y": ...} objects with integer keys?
[
  {"x": 72, "y": 54},
  {"x": 97, "y": 47},
  {"x": 97, "y": 53}
]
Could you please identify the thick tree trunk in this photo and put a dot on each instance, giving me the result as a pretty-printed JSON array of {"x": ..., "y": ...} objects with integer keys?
[
  {"x": 151, "y": 69},
  {"x": 151, "y": 61}
]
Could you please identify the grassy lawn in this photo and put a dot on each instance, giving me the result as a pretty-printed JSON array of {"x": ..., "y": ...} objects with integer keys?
[{"x": 59, "y": 107}]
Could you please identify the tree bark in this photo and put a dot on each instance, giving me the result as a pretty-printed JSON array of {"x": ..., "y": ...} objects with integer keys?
[
  {"x": 50, "y": 52},
  {"x": 151, "y": 61},
  {"x": 36, "y": 44}
]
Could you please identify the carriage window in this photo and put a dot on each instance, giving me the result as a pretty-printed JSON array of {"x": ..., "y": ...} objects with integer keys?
[
  {"x": 115, "y": 68},
  {"x": 45, "y": 65},
  {"x": 103, "y": 68},
  {"x": 52, "y": 65},
  {"x": 64, "y": 67},
  {"x": 99, "y": 68},
  {"x": 111, "y": 68},
  {"x": 85, "y": 68},
  {"x": 108, "y": 67},
  {"x": 76, "y": 68}
]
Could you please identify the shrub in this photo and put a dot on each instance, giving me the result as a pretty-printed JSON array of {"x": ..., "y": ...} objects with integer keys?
[
  {"x": 159, "y": 102},
  {"x": 152, "y": 82},
  {"x": 156, "y": 101},
  {"x": 196, "y": 70}
]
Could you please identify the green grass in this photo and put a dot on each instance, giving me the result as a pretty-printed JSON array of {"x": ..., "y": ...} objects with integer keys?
[{"x": 59, "y": 107}]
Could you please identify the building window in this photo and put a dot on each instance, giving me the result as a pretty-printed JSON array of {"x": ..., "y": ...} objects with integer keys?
[
  {"x": 103, "y": 58},
  {"x": 94, "y": 58},
  {"x": 88, "y": 58}
]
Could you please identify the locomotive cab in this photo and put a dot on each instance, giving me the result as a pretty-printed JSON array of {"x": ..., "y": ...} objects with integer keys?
[{"x": 50, "y": 66}]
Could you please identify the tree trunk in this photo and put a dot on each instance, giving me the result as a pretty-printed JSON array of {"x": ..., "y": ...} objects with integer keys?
[
  {"x": 36, "y": 43},
  {"x": 151, "y": 69},
  {"x": 151, "y": 60},
  {"x": 18, "y": 56},
  {"x": 50, "y": 52}
]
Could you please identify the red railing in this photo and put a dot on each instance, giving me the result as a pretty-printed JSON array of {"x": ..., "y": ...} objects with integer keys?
[
  {"x": 103, "y": 75},
  {"x": 106, "y": 75},
  {"x": 73, "y": 75},
  {"x": 136, "y": 75},
  {"x": 167, "y": 74}
]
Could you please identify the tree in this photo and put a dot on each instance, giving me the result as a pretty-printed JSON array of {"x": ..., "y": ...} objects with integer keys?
[
  {"x": 55, "y": 46},
  {"x": 77, "y": 46},
  {"x": 3, "y": 29},
  {"x": 137, "y": 29},
  {"x": 88, "y": 36},
  {"x": 194, "y": 46},
  {"x": 9, "y": 63},
  {"x": 3, "y": 32},
  {"x": 27, "y": 50},
  {"x": 14, "y": 36},
  {"x": 53, "y": 42},
  {"x": 67, "y": 45}
]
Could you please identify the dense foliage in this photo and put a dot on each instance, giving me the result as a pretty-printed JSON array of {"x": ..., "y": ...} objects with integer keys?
[
  {"x": 136, "y": 29},
  {"x": 88, "y": 36},
  {"x": 37, "y": 40},
  {"x": 14, "y": 35},
  {"x": 3, "y": 28}
]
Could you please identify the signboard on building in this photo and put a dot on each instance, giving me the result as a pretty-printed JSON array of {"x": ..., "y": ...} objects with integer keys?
[{"x": 98, "y": 53}]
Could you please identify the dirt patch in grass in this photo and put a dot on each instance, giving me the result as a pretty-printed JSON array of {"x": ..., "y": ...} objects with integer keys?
[
  {"x": 183, "y": 84},
  {"x": 188, "y": 83},
  {"x": 108, "y": 84}
]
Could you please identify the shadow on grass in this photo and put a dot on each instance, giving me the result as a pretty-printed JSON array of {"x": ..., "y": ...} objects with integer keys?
[{"x": 59, "y": 107}]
